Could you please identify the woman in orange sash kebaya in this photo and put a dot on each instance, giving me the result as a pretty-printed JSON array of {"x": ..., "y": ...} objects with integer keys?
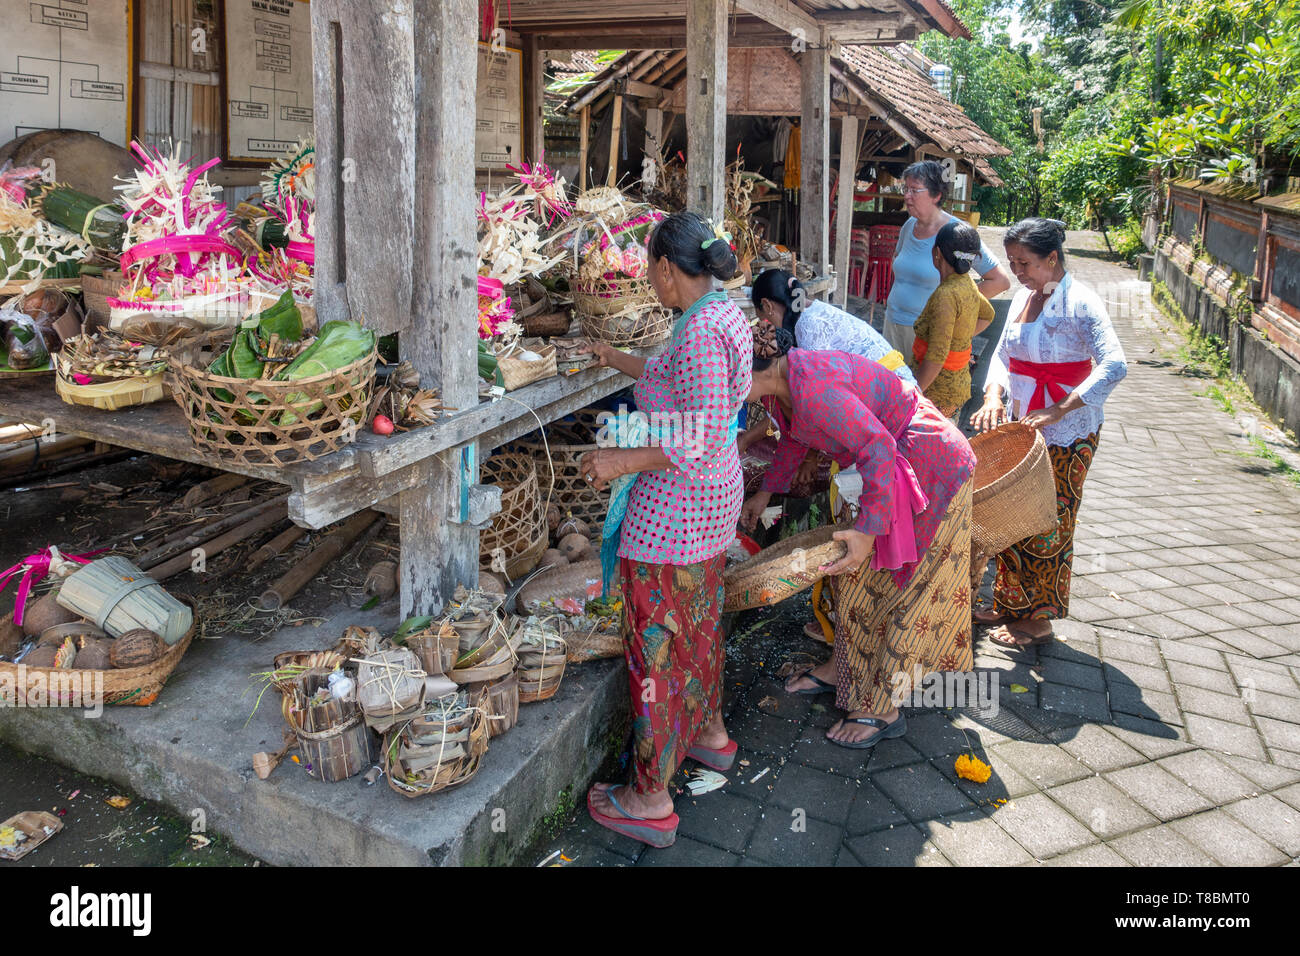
[
  {"x": 1058, "y": 359},
  {"x": 955, "y": 313}
]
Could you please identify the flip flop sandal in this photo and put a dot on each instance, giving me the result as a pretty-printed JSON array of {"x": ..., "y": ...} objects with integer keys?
[
  {"x": 884, "y": 731},
  {"x": 1013, "y": 644},
  {"x": 719, "y": 760},
  {"x": 655, "y": 833},
  {"x": 821, "y": 688},
  {"x": 992, "y": 621}
]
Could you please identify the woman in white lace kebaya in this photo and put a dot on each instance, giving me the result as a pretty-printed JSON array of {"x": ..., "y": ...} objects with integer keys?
[{"x": 1058, "y": 359}]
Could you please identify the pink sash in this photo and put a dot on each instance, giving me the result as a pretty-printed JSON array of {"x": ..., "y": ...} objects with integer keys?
[{"x": 897, "y": 546}]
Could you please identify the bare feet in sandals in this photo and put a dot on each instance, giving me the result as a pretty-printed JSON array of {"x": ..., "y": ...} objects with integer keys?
[
  {"x": 651, "y": 806},
  {"x": 812, "y": 680},
  {"x": 853, "y": 732},
  {"x": 1022, "y": 633}
]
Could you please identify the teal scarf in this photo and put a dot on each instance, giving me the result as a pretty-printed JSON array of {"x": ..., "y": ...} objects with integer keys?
[{"x": 635, "y": 432}]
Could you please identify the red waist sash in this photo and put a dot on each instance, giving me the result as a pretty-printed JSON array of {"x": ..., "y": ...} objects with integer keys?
[{"x": 1051, "y": 379}]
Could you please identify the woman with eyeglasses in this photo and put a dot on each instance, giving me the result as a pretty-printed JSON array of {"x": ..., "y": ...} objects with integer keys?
[{"x": 915, "y": 276}]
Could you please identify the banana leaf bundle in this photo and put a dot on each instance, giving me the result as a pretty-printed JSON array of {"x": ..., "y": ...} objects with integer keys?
[
  {"x": 271, "y": 347},
  {"x": 24, "y": 347},
  {"x": 100, "y": 223}
]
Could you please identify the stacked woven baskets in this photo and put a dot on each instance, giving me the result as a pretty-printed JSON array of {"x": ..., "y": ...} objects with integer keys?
[
  {"x": 517, "y": 538},
  {"x": 557, "y": 457}
]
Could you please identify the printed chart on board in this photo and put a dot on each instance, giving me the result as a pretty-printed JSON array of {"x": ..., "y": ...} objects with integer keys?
[
  {"x": 268, "y": 76},
  {"x": 63, "y": 65},
  {"x": 498, "y": 136}
]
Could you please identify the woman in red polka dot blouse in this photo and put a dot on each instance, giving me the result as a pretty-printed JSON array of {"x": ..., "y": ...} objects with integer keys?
[{"x": 681, "y": 516}]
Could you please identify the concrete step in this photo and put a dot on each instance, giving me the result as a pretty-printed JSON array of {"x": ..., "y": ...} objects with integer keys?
[{"x": 192, "y": 750}]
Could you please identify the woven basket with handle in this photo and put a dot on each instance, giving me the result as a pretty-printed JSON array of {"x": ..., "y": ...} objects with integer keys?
[
  {"x": 1015, "y": 489},
  {"x": 633, "y": 327},
  {"x": 784, "y": 569}
]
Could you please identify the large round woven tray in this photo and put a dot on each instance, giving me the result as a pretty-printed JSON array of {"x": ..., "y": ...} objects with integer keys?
[
  {"x": 518, "y": 530},
  {"x": 225, "y": 421},
  {"x": 601, "y": 296},
  {"x": 783, "y": 570},
  {"x": 558, "y": 458},
  {"x": 634, "y": 327},
  {"x": 135, "y": 686},
  {"x": 1015, "y": 489}
]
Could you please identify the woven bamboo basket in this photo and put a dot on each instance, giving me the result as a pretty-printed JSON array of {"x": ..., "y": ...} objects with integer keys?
[
  {"x": 634, "y": 327},
  {"x": 120, "y": 686},
  {"x": 459, "y": 734},
  {"x": 783, "y": 570},
  {"x": 119, "y": 597},
  {"x": 235, "y": 427},
  {"x": 492, "y": 666},
  {"x": 517, "y": 539},
  {"x": 435, "y": 648},
  {"x": 1015, "y": 488},
  {"x": 542, "y": 653},
  {"x": 557, "y": 458},
  {"x": 600, "y": 296},
  {"x": 516, "y": 371}
]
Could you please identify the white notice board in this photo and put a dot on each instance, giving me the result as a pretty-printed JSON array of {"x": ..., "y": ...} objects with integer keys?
[
  {"x": 63, "y": 65},
  {"x": 499, "y": 130},
  {"x": 268, "y": 77}
]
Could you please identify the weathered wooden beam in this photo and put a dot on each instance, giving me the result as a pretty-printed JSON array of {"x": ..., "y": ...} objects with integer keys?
[
  {"x": 706, "y": 106},
  {"x": 844, "y": 204},
  {"x": 438, "y": 553},
  {"x": 615, "y": 128},
  {"x": 815, "y": 104},
  {"x": 605, "y": 82},
  {"x": 534, "y": 91},
  {"x": 786, "y": 16},
  {"x": 654, "y": 145},
  {"x": 584, "y": 135},
  {"x": 643, "y": 90}
]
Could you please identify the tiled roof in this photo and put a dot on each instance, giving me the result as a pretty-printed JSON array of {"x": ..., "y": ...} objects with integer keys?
[{"x": 917, "y": 103}]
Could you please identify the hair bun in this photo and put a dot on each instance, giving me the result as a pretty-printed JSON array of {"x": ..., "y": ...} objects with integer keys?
[{"x": 719, "y": 260}]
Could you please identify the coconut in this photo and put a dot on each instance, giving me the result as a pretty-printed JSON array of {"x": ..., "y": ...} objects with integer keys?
[
  {"x": 489, "y": 583},
  {"x": 42, "y": 656},
  {"x": 572, "y": 525},
  {"x": 95, "y": 654},
  {"x": 553, "y": 517},
  {"x": 136, "y": 648},
  {"x": 575, "y": 546},
  {"x": 11, "y": 637},
  {"x": 554, "y": 558},
  {"x": 45, "y": 613}
]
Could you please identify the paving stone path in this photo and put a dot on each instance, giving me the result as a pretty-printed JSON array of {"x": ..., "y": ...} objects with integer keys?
[{"x": 1163, "y": 730}]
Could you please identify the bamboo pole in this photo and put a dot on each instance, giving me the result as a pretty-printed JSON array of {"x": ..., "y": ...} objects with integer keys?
[
  {"x": 211, "y": 549},
  {"x": 276, "y": 545},
  {"x": 283, "y": 590},
  {"x": 19, "y": 459},
  {"x": 205, "y": 490},
  {"x": 278, "y": 506}
]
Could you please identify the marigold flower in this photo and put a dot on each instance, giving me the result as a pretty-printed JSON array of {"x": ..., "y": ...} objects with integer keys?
[{"x": 970, "y": 767}]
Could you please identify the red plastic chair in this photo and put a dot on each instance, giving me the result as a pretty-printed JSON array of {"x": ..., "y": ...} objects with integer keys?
[{"x": 880, "y": 261}]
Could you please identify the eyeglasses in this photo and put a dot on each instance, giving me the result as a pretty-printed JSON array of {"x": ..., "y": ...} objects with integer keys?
[{"x": 915, "y": 192}]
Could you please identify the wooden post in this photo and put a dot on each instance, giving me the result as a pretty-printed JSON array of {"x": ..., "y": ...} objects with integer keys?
[
  {"x": 844, "y": 204},
  {"x": 815, "y": 103},
  {"x": 654, "y": 140},
  {"x": 584, "y": 126},
  {"x": 534, "y": 92},
  {"x": 438, "y": 554},
  {"x": 615, "y": 128},
  {"x": 706, "y": 106}
]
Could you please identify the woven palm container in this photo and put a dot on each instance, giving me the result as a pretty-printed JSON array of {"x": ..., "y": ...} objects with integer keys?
[
  {"x": 441, "y": 747},
  {"x": 783, "y": 570},
  {"x": 597, "y": 296},
  {"x": 1015, "y": 488},
  {"x": 499, "y": 699},
  {"x": 517, "y": 539}
]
